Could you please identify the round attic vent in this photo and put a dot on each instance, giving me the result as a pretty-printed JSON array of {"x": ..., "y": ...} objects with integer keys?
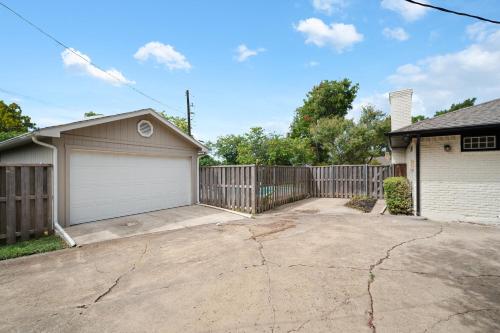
[{"x": 145, "y": 128}]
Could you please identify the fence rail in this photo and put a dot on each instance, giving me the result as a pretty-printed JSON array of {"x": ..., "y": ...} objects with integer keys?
[
  {"x": 255, "y": 189},
  {"x": 25, "y": 201}
]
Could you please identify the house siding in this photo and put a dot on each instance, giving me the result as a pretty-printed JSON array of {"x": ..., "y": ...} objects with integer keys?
[
  {"x": 457, "y": 185},
  {"x": 120, "y": 137},
  {"x": 28, "y": 154}
]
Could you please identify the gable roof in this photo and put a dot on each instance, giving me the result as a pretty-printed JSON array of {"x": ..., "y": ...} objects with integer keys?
[
  {"x": 55, "y": 131},
  {"x": 482, "y": 115}
]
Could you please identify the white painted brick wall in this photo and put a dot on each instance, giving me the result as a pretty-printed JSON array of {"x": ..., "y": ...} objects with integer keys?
[{"x": 459, "y": 185}]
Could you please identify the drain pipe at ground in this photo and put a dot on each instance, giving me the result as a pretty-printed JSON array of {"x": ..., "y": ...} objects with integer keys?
[{"x": 55, "y": 213}]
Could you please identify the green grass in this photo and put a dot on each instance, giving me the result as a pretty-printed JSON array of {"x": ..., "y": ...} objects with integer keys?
[{"x": 25, "y": 248}]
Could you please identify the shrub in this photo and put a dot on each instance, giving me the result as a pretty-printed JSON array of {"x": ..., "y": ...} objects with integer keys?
[
  {"x": 362, "y": 203},
  {"x": 398, "y": 195}
]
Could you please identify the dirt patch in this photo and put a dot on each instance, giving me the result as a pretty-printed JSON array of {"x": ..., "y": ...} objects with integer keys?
[
  {"x": 362, "y": 203},
  {"x": 263, "y": 230}
]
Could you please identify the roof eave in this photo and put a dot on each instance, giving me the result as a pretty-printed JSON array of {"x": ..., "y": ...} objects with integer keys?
[
  {"x": 443, "y": 131},
  {"x": 55, "y": 131}
]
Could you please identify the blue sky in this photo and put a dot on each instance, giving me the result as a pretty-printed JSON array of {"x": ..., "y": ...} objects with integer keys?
[{"x": 247, "y": 63}]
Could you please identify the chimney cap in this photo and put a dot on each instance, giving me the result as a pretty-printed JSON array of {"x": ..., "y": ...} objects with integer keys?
[{"x": 397, "y": 93}]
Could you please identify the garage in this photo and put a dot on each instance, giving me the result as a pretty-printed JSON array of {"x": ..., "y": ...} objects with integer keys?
[
  {"x": 112, "y": 166},
  {"x": 106, "y": 185}
]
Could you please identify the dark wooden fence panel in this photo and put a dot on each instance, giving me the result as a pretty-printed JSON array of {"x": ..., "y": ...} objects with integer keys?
[
  {"x": 25, "y": 201},
  {"x": 278, "y": 185}
]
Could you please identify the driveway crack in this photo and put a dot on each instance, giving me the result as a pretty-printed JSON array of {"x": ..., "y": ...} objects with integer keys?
[
  {"x": 264, "y": 262},
  {"x": 117, "y": 280},
  {"x": 371, "y": 278}
]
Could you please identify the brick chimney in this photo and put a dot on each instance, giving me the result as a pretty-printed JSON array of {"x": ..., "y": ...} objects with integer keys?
[{"x": 400, "y": 108}]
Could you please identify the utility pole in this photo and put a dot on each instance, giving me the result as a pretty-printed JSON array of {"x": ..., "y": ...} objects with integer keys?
[{"x": 188, "y": 112}]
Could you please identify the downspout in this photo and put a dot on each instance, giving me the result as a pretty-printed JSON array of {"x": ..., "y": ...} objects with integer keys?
[
  {"x": 417, "y": 157},
  {"x": 55, "y": 212},
  {"x": 198, "y": 177}
]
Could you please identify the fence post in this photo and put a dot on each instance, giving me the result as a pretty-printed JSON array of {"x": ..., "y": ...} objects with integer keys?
[
  {"x": 366, "y": 179},
  {"x": 10, "y": 194},
  {"x": 253, "y": 195}
]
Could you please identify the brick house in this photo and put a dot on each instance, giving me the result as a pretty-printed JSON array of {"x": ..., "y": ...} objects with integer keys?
[{"x": 452, "y": 161}]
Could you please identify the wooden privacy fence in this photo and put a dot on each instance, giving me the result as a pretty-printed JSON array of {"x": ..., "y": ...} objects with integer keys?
[
  {"x": 25, "y": 201},
  {"x": 231, "y": 187},
  {"x": 346, "y": 181},
  {"x": 278, "y": 185},
  {"x": 254, "y": 189}
]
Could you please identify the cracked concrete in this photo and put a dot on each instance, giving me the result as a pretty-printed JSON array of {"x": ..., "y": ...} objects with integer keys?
[
  {"x": 303, "y": 268},
  {"x": 371, "y": 277}
]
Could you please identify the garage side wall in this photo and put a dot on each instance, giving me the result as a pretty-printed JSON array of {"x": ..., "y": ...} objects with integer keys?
[
  {"x": 120, "y": 137},
  {"x": 459, "y": 185},
  {"x": 28, "y": 154}
]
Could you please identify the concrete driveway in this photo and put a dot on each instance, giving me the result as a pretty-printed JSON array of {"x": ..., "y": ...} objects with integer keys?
[
  {"x": 299, "y": 269},
  {"x": 140, "y": 224}
]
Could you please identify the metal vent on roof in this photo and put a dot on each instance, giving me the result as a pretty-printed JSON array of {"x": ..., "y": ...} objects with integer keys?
[{"x": 145, "y": 128}]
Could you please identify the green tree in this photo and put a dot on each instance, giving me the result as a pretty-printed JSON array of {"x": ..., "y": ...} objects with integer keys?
[
  {"x": 208, "y": 159},
  {"x": 332, "y": 134},
  {"x": 254, "y": 147},
  {"x": 466, "y": 103},
  {"x": 416, "y": 119},
  {"x": 328, "y": 99},
  {"x": 226, "y": 148},
  {"x": 179, "y": 122},
  {"x": 346, "y": 142},
  {"x": 91, "y": 114},
  {"x": 13, "y": 122},
  {"x": 375, "y": 124}
]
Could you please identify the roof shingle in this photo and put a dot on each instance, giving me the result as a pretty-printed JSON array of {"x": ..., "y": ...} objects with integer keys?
[{"x": 483, "y": 114}]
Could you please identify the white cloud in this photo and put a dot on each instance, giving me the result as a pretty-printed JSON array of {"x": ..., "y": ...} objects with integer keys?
[
  {"x": 409, "y": 11},
  {"x": 479, "y": 31},
  {"x": 163, "y": 54},
  {"x": 329, "y": 6},
  {"x": 74, "y": 59},
  {"x": 443, "y": 79},
  {"x": 396, "y": 33},
  {"x": 243, "y": 52},
  {"x": 340, "y": 36},
  {"x": 312, "y": 63}
]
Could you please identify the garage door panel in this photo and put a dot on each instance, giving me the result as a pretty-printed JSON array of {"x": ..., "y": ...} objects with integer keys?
[{"x": 110, "y": 185}]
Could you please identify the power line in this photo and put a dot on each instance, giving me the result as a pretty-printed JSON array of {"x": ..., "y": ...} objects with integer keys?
[
  {"x": 117, "y": 79},
  {"x": 452, "y": 11}
]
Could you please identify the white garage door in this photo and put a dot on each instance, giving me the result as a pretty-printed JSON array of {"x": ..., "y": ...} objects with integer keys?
[{"x": 106, "y": 185}]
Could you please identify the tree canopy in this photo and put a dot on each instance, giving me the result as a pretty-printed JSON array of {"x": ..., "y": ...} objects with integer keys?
[
  {"x": 328, "y": 99},
  {"x": 454, "y": 107},
  {"x": 13, "y": 122},
  {"x": 180, "y": 122}
]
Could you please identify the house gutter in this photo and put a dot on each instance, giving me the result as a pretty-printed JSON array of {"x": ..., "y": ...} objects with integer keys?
[
  {"x": 417, "y": 157},
  {"x": 198, "y": 177},
  {"x": 55, "y": 199}
]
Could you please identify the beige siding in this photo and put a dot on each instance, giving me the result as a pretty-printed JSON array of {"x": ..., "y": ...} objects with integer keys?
[
  {"x": 459, "y": 185},
  {"x": 120, "y": 136},
  {"x": 30, "y": 153}
]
